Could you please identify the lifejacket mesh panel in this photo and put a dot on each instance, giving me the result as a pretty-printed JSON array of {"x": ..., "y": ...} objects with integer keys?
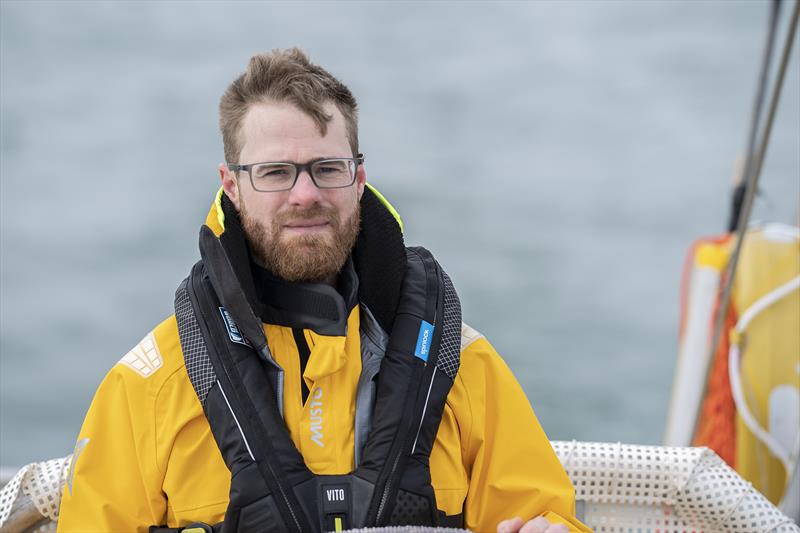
[
  {"x": 450, "y": 346},
  {"x": 198, "y": 365},
  {"x": 410, "y": 509}
]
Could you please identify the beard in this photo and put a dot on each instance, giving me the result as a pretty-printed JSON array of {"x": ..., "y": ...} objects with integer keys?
[{"x": 308, "y": 258}]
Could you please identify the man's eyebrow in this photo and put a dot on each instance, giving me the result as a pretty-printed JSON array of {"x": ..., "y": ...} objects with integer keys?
[{"x": 314, "y": 160}]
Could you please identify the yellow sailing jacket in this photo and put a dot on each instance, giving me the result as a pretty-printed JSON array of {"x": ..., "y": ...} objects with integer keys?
[{"x": 146, "y": 455}]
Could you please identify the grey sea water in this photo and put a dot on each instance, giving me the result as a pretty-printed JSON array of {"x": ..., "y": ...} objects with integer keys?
[{"x": 557, "y": 157}]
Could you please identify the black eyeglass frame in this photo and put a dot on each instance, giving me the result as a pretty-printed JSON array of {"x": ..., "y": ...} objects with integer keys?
[{"x": 299, "y": 168}]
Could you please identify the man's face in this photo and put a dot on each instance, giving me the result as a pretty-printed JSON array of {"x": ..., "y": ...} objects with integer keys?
[{"x": 306, "y": 233}]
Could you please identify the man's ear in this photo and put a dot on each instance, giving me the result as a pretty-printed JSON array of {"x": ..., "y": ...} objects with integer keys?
[
  {"x": 361, "y": 179},
  {"x": 229, "y": 184}
]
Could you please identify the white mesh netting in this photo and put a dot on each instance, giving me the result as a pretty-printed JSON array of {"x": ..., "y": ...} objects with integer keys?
[
  {"x": 41, "y": 485},
  {"x": 629, "y": 488},
  {"x": 9, "y": 494}
]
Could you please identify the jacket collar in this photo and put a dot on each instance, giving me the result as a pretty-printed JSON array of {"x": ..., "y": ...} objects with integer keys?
[{"x": 315, "y": 306}]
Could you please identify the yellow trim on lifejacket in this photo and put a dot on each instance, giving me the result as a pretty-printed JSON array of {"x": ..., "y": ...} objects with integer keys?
[
  {"x": 388, "y": 206},
  {"x": 220, "y": 212},
  {"x": 215, "y": 219}
]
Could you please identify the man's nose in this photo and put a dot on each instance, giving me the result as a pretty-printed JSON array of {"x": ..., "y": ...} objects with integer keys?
[{"x": 304, "y": 191}]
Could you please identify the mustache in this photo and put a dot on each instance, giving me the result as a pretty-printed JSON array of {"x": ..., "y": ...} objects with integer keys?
[{"x": 305, "y": 213}]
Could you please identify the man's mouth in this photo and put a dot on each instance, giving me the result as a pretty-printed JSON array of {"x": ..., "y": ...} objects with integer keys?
[{"x": 311, "y": 225}]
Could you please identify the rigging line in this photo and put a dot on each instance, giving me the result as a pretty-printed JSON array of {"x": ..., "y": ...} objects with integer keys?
[
  {"x": 755, "y": 117},
  {"x": 755, "y": 160},
  {"x": 775, "y": 100},
  {"x": 744, "y": 190}
]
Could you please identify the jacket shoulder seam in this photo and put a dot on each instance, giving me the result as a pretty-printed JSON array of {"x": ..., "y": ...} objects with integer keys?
[
  {"x": 465, "y": 342},
  {"x": 180, "y": 367},
  {"x": 156, "y": 397},
  {"x": 471, "y": 416}
]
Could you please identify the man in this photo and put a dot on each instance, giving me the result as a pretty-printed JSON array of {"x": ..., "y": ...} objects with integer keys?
[{"x": 316, "y": 374}]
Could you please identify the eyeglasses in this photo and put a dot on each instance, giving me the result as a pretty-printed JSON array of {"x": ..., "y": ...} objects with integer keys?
[{"x": 325, "y": 173}]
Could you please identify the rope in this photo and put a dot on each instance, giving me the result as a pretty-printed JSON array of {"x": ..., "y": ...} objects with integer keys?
[
  {"x": 765, "y": 301},
  {"x": 746, "y": 491},
  {"x": 734, "y": 373},
  {"x": 747, "y": 417}
]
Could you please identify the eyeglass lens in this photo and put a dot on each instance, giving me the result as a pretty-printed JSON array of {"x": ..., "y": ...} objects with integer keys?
[{"x": 328, "y": 174}]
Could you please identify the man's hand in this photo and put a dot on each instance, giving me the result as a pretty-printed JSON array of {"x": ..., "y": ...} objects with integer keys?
[{"x": 537, "y": 525}]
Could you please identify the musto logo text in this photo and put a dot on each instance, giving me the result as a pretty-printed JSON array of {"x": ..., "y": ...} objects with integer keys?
[{"x": 316, "y": 417}]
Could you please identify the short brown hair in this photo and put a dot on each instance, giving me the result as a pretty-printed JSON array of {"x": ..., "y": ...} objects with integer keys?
[{"x": 284, "y": 76}]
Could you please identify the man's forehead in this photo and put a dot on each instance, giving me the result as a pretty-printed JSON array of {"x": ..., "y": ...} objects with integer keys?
[
  {"x": 277, "y": 123},
  {"x": 273, "y": 114}
]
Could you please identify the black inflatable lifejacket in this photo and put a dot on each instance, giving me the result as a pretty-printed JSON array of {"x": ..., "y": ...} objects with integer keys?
[{"x": 403, "y": 293}]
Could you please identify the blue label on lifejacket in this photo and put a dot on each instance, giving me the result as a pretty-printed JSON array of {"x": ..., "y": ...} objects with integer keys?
[
  {"x": 233, "y": 332},
  {"x": 424, "y": 341}
]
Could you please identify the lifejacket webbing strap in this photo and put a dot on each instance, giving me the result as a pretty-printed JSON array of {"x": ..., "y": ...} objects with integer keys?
[
  {"x": 455, "y": 521},
  {"x": 267, "y": 439}
]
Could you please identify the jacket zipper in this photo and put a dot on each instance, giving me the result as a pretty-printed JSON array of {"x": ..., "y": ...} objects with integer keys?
[{"x": 387, "y": 489}]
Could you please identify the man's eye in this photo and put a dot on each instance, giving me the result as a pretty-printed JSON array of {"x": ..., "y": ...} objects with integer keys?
[
  {"x": 272, "y": 173},
  {"x": 328, "y": 169}
]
